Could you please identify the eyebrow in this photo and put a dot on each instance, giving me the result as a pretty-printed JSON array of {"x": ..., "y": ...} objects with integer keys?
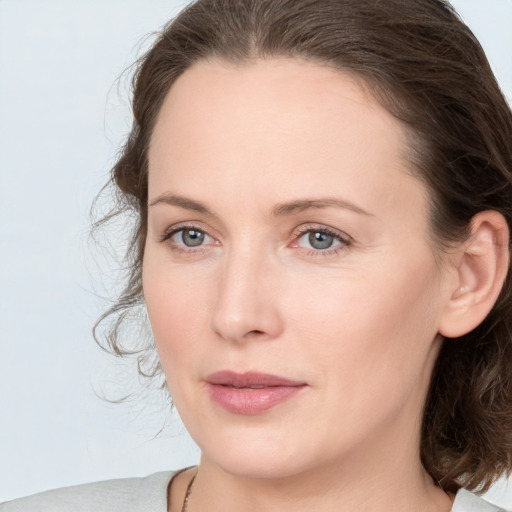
[
  {"x": 281, "y": 209},
  {"x": 182, "y": 202},
  {"x": 300, "y": 205}
]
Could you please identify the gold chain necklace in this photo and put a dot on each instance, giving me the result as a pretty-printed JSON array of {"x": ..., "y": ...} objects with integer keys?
[{"x": 184, "y": 507}]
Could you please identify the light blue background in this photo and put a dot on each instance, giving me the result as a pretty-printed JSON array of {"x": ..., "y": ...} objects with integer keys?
[{"x": 62, "y": 117}]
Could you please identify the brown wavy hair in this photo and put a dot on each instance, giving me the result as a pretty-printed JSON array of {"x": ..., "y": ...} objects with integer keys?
[{"x": 427, "y": 68}]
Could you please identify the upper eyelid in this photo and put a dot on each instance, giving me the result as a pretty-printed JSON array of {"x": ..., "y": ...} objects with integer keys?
[
  {"x": 175, "y": 228},
  {"x": 306, "y": 228}
]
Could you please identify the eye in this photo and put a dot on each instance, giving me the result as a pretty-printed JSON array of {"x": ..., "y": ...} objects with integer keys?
[
  {"x": 188, "y": 237},
  {"x": 321, "y": 240}
]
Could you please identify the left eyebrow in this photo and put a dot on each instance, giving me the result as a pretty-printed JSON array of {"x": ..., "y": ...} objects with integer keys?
[{"x": 292, "y": 207}]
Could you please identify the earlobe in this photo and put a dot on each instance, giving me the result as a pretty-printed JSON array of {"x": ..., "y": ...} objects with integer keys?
[{"x": 482, "y": 264}]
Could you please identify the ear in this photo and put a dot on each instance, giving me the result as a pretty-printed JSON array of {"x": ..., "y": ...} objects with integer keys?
[{"x": 481, "y": 267}]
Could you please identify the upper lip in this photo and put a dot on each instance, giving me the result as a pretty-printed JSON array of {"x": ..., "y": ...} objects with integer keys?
[{"x": 250, "y": 379}]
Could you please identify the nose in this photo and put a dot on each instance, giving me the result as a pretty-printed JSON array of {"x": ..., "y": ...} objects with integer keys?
[{"x": 247, "y": 302}]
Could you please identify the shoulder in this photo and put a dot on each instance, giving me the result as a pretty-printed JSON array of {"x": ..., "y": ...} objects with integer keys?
[
  {"x": 147, "y": 494},
  {"x": 466, "y": 501}
]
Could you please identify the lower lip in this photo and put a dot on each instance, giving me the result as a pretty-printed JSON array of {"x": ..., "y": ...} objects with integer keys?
[{"x": 251, "y": 401}]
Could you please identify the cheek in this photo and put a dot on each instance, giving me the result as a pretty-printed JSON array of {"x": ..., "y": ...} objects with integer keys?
[
  {"x": 369, "y": 340},
  {"x": 375, "y": 327},
  {"x": 178, "y": 311}
]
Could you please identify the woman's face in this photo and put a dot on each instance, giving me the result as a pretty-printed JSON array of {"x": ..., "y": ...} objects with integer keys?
[{"x": 292, "y": 288}]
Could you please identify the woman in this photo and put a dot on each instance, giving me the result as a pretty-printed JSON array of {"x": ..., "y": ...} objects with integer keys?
[{"x": 324, "y": 192}]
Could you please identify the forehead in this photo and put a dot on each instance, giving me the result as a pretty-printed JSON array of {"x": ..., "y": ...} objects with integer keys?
[
  {"x": 288, "y": 96},
  {"x": 278, "y": 129}
]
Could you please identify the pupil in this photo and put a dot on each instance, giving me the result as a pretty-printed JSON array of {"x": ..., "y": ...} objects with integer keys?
[
  {"x": 320, "y": 240},
  {"x": 192, "y": 238}
]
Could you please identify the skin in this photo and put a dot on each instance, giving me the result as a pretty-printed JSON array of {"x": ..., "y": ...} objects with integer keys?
[{"x": 357, "y": 322}]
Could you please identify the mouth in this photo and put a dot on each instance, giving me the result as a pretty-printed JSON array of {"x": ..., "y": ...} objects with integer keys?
[{"x": 250, "y": 393}]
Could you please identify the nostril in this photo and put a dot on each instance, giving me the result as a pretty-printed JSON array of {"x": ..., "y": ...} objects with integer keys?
[{"x": 254, "y": 333}]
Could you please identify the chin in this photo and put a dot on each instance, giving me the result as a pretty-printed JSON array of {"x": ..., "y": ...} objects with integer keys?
[
  {"x": 258, "y": 465},
  {"x": 262, "y": 453}
]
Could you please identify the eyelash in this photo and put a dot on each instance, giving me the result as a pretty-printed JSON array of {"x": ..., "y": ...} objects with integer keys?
[
  {"x": 344, "y": 240},
  {"x": 167, "y": 236}
]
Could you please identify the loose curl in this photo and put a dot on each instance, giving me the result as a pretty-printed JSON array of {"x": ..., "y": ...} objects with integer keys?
[{"x": 426, "y": 67}]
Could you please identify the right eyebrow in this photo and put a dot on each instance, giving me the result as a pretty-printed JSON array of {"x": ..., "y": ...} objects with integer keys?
[{"x": 181, "y": 202}]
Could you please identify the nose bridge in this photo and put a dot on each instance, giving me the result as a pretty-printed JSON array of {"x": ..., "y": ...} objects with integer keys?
[{"x": 246, "y": 304}]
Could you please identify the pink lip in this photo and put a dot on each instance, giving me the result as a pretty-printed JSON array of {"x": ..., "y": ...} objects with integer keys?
[{"x": 251, "y": 392}]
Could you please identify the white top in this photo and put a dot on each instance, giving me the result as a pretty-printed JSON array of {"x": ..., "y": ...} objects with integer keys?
[{"x": 149, "y": 494}]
